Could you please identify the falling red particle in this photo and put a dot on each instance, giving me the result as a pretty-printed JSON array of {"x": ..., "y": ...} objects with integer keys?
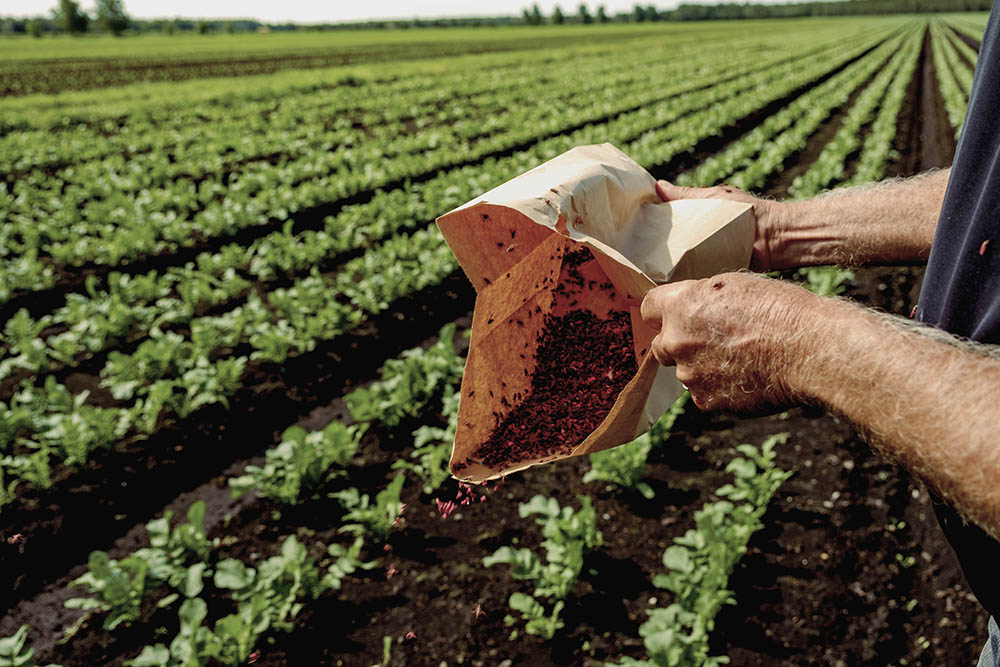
[
  {"x": 445, "y": 508},
  {"x": 913, "y": 311},
  {"x": 982, "y": 248},
  {"x": 391, "y": 571},
  {"x": 410, "y": 635},
  {"x": 17, "y": 538},
  {"x": 253, "y": 657}
]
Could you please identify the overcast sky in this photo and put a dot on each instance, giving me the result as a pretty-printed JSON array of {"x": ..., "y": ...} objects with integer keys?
[{"x": 327, "y": 10}]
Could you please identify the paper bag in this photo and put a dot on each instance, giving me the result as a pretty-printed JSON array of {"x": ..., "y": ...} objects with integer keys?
[{"x": 559, "y": 363}]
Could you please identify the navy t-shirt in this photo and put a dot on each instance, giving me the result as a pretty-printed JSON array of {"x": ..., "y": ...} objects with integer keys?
[{"x": 961, "y": 289}]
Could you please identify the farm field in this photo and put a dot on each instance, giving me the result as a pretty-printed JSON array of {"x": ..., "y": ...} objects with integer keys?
[{"x": 223, "y": 303}]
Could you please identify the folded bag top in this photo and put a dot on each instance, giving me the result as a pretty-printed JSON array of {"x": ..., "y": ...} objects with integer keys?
[{"x": 559, "y": 363}]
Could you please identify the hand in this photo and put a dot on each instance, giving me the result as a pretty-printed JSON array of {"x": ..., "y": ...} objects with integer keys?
[
  {"x": 736, "y": 339},
  {"x": 769, "y": 215}
]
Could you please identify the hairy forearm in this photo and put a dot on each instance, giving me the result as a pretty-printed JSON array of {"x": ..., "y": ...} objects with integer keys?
[
  {"x": 925, "y": 400},
  {"x": 882, "y": 223}
]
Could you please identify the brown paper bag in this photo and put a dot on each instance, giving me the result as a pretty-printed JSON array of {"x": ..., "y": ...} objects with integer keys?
[{"x": 561, "y": 256}]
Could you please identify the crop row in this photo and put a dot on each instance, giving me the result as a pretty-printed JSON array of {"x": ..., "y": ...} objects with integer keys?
[
  {"x": 173, "y": 175},
  {"x": 761, "y": 150},
  {"x": 967, "y": 28},
  {"x": 51, "y": 76},
  {"x": 699, "y": 562},
  {"x": 139, "y": 304},
  {"x": 182, "y": 569},
  {"x": 28, "y": 271},
  {"x": 950, "y": 50},
  {"x": 949, "y": 75},
  {"x": 171, "y": 372},
  {"x": 245, "y": 127},
  {"x": 878, "y": 151},
  {"x": 125, "y": 229},
  {"x": 831, "y": 164},
  {"x": 970, "y": 54}
]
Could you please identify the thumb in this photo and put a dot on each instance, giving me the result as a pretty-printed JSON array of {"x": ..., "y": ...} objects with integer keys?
[{"x": 669, "y": 192}]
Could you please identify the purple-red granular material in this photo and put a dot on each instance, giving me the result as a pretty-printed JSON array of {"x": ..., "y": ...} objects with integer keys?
[{"x": 583, "y": 363}]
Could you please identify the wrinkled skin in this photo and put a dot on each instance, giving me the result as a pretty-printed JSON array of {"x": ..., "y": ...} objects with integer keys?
[{"x": 732, "y": 338}]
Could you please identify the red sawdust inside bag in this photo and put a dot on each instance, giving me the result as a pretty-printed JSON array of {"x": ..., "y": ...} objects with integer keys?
[
  {"x": 559, "y": 362},
  {"x": 582, "y": 362}
]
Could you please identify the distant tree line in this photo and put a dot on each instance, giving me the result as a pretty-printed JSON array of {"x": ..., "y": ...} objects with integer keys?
[
  {"x": 110, "y": 16},
  {"x": 734, "y": 10}
]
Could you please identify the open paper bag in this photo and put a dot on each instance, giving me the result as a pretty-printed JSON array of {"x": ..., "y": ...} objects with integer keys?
[{"x": 561, "y": 256}]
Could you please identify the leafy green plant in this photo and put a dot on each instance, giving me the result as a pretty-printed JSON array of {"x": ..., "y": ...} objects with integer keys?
[
  {"x": 14, "y": 651},
  {"x": 177, "y": 557},
  {"x": 346, "y": 560},
  {"x": 409, "y": 383},
  {"x": 622, "y": 466},
  {"x": 569, "y": 534},
  {"x": 377, "y": 518},
  {"x": 699, "y": 562},
  {"x": 194, "y": 645},
  {"x": 625, "y": 466},
  {"x": 826, "y": 280},
  {"x": 296, "y": 468},
  {"x": 269, "y": 597},
  {"x": 538, "y": 621},
  {"x": 432, "y": 447},
  {"x": 120, "y": 587},
  {"x": 282, "y": 580}
]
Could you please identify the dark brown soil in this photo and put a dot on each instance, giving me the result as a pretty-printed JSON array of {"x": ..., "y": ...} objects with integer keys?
[{"x": 936, "y": 136}]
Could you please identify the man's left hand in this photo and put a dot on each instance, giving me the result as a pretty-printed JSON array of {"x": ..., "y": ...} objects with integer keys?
[{"x": 735, "y": 339}]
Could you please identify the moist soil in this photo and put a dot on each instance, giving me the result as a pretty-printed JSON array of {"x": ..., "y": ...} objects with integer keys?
[{"x": 850, "y": 567}]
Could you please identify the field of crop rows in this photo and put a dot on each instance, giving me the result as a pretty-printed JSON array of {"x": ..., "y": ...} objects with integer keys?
[{"x": 231, "y": 341}]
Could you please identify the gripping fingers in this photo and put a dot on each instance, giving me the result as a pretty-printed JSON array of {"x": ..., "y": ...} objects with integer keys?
[
  {"x": 661, "y": 301},
  {"x": 660, "y": 352}
]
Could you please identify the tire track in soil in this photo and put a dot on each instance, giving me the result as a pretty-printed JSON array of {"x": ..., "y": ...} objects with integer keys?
[
  {"x": 84, "y": 512},
  {"x": 936, "y": 136}
]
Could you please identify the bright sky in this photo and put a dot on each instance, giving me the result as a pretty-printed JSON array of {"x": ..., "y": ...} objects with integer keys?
[{"x": 329, "y": 10}]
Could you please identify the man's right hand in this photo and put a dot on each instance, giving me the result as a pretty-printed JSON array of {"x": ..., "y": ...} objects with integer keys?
[{"x": 770, "y": 216}]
